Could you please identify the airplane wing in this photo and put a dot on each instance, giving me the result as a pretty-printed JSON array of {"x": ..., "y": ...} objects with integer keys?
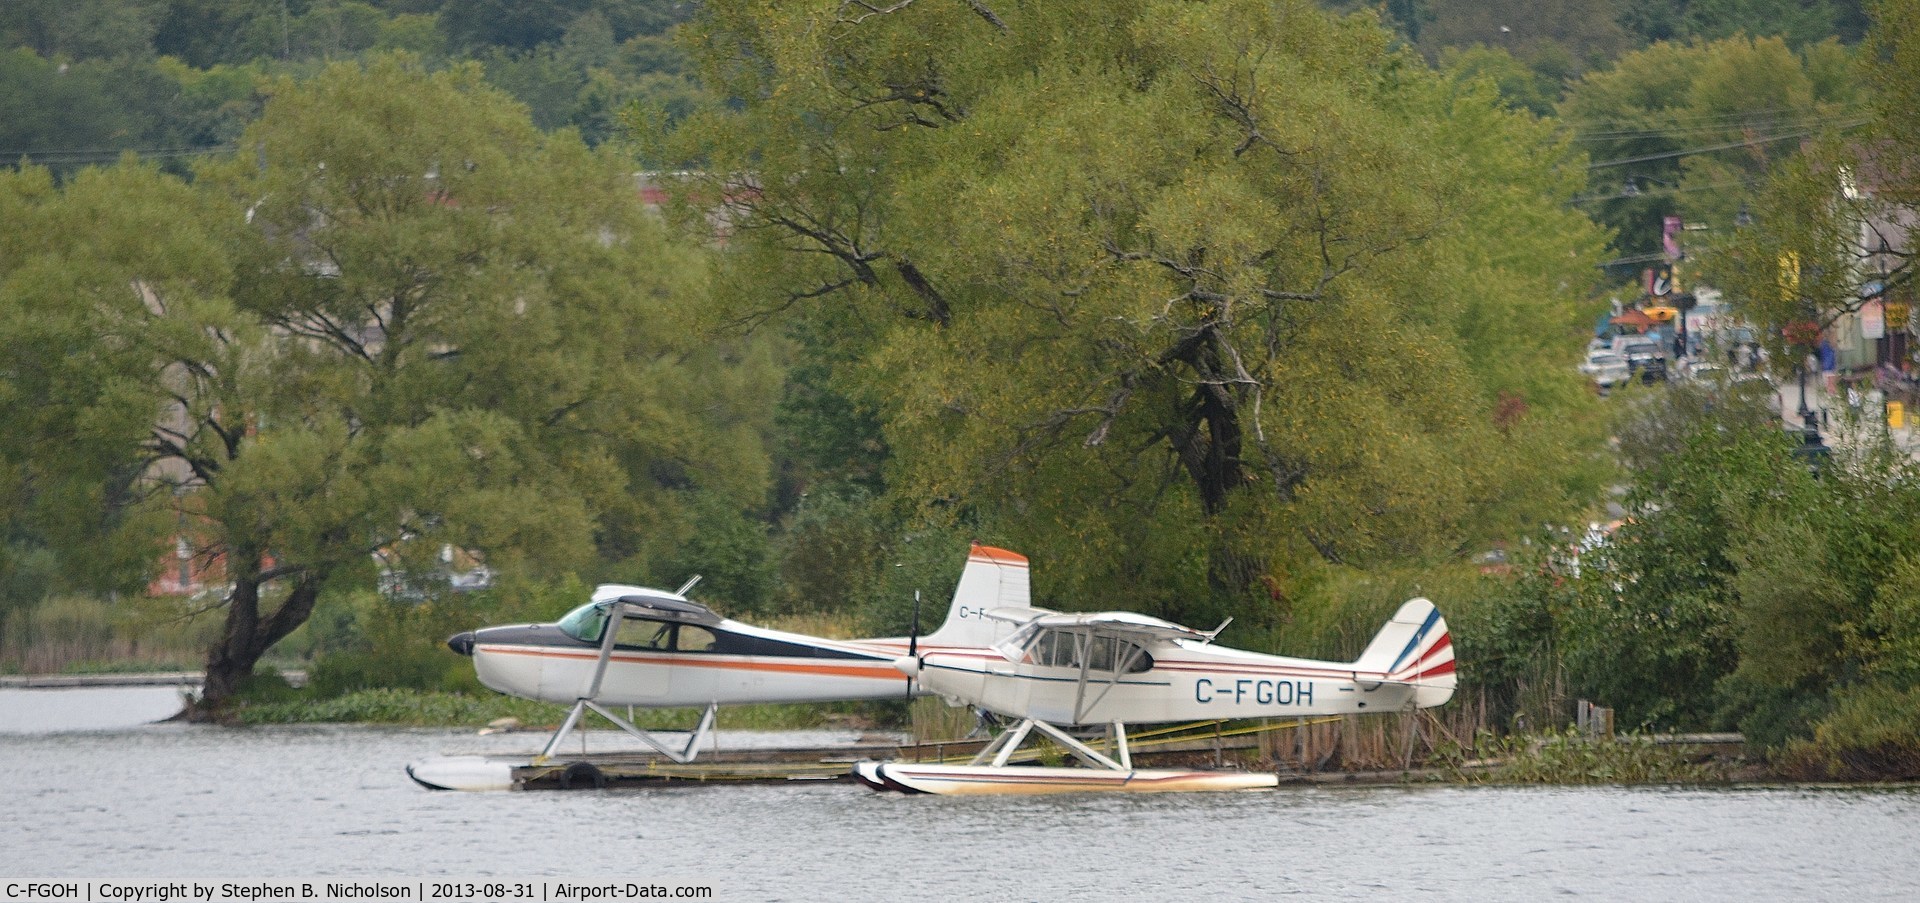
[
  {"x": 1126, "y": 625},
  {"x": 1121, "y": 625}
]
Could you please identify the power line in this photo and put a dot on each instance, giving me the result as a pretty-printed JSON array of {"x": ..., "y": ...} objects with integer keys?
[
  {"x": 1655, "y": 192},
  {"x": 1751, "y": 142},
  {"x": 1771, "y": 123},
  {"x": 1708, "y": 119}
]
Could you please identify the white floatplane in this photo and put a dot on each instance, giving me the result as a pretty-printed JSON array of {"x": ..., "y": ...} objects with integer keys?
[
  {"x": 1058, "y": 672},
  {"x": 665, "y": 650}
]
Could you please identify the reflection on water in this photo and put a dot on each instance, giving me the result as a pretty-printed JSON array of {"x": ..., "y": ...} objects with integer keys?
[{"x": 184, "y": 801}]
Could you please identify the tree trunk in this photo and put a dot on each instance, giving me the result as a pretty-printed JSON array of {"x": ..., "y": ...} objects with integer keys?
[{"x": 248, "y": 636}]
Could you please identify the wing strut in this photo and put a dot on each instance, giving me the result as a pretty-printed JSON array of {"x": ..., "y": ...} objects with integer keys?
[{"x": 1001, "y": 750}]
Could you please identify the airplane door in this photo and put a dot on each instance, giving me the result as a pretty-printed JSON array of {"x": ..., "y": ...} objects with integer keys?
[{"x": 642, "y": 668}]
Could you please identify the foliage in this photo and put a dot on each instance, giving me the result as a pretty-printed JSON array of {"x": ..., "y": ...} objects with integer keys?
[
  {"x": 423, "y": 708},
  {"x": 81, "y": 81},
  {"x": 1132, "y": 296},
  {"x": 1566, "y": 757},
  {"x": 1691, "y": 129},
  {"x": 410, "y": 321},
  {"x": 387, "y": 644},
  {"x": 1508, "y": 641},
  {"x": 1742, "y": 590},
  {"x": 1894, "y": 57},
  {"x": 77, "y": 634},
  {"x": 1654, "y": 627},
  {"x": 1587, "y": 31},
  {"x": 1873, "y": 734},
  {"x": 394, "y": 706},
  {"x": 1523, "y": 87}
]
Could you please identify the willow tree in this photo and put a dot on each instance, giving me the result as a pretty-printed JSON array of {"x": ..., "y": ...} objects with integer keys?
[
  {"x": 401, "y": 318},
  {"x": 1181, "y": 297}
]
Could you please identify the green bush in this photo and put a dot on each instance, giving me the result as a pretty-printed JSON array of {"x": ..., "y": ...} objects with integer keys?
[
  {"x": 401, "y": 707},
  {"x": 266, "y": 688},
  {"x": 432, "y": 708},
  {"x": 423, "y": 669},
  {"x": 1567, "y": 757},
  {"x": 1873, "y": 734}
]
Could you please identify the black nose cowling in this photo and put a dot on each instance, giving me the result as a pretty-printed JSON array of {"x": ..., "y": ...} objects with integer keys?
[{"x": 461, "y": 643}]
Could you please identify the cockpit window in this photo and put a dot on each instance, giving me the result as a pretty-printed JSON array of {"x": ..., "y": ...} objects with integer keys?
[
  {"x": 585, "y": 623},
  {"x": 694, "y": 639},
  {"x": 637, "y": 634}
]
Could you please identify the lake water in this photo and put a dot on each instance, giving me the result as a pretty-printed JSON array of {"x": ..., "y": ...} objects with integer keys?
[{"x": 92, "y": 799}]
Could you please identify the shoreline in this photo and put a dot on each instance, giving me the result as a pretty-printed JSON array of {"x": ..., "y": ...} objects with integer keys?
[{"x": 1719, "y": 757}]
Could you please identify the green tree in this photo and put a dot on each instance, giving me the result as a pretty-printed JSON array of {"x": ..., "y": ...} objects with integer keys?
[
  {"x": 1200, "y": 291},
  {"x": 1652, "y": 633},
  {"x": 513, "y": 24},
  {"x": 1831, "y": 222},
  {"x": 81, "y": 29},
  {"x": 1693, "y": 129},
  {"x": 1523, "y": 87},
  {"x": 1798, "y": 22},
  {"x": 412, "y": 320},
  {"x": 1589, "y": 32}
]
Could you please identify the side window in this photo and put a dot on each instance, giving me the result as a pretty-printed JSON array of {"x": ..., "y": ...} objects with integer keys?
[
  {"x": 694, "y": 639},
  {"x": 1065, "y": 649},
  {"x": 1055, "y": 648},
  {"x": 1100, "y": 658},
  {"x": 638, "y": 634}
]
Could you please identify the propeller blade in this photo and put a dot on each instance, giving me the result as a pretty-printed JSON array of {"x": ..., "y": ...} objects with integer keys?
[{"x": 913, "y": 640}]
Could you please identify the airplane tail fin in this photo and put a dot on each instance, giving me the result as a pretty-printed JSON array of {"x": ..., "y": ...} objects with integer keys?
[
  {"x": 1414, "y": 648},
  {"x": 993, "y": 579}
]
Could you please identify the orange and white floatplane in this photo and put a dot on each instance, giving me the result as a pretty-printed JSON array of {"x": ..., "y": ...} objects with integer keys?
[
  {"x": 650, "y": 648},
  {"x": 1059, "y": 674}
]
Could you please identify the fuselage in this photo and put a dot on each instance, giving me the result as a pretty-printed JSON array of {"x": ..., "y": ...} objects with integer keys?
[
  {"x": 1174, "y": 680},
  {"x": 694, "y": 659}
]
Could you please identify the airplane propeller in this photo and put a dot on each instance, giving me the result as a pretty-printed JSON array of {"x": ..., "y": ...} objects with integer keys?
[{"x": 913, "y": 642}]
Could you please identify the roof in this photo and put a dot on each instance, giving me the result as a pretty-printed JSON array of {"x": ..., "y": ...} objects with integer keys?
[{"x": 655, "y": 604}]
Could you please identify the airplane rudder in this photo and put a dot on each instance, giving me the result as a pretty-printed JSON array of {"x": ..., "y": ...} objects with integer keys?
[
  {"x": 992, "y": 578},
  {"x": 1413, "y": 630}
]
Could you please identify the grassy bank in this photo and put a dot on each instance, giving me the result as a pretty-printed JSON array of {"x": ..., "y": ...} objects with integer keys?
[{"x": 442, "y": 708}]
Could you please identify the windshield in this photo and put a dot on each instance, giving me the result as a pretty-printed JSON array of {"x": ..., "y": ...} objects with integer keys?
[{"x": 585, "y": 623}]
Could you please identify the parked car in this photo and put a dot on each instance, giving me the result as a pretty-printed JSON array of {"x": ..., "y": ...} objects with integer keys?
[
  {"x": 1608, "y": 370},
  {"x": 1650, "y": 366},
  {"x": 1630, "y": 345},
  {"x": 1704, "y": 370}
]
